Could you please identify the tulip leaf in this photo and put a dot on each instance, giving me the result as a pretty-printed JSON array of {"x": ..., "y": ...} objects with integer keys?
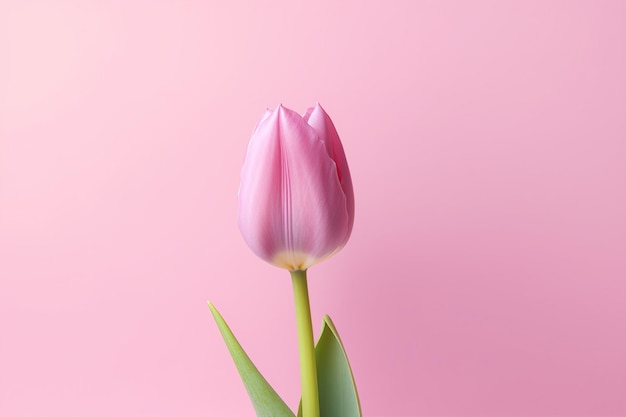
[
  {"x": 337, "y": 390},
  {"x": 266, "y": 402}
]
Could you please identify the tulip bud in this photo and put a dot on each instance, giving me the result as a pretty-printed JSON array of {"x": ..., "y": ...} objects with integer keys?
[{"x": 296, "y": 202}]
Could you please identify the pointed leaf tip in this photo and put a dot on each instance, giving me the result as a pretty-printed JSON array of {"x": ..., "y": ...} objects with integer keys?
[
  {"x": 337, "y": 389},
  {"x": 338, "y": 393},
  {"x": 266, "y": 402}
]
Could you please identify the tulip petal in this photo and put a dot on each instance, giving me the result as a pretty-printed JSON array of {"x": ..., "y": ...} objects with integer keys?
[
  {"x": 292, "y": 208},
  {"x": 266, "y": 114},
  {"x": 317, "y": 118}
]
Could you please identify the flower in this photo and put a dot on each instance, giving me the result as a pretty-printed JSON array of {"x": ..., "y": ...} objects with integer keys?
[{"x": 296, "y": 202}]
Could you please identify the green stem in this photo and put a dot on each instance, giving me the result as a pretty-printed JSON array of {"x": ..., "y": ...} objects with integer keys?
[{"x": 306, "y": 345}]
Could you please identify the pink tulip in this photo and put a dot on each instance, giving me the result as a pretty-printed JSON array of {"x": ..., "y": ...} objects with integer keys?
[{"x": 296, "y": 203}]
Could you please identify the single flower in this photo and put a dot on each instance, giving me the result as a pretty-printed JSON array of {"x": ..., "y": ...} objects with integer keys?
[{"x": 296, "y": 202}]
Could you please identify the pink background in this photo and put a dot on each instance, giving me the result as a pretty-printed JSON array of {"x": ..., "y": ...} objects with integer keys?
[{"x": 487, "y": 142}]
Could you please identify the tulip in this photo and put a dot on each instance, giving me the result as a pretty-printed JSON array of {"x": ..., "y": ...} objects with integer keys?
[
  {"x": 296, "y": 208},
  {"x": 296, "y": 203}
]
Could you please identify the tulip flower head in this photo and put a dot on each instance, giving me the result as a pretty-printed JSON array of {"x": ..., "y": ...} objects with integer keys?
[{"x": 296, "y": 201}]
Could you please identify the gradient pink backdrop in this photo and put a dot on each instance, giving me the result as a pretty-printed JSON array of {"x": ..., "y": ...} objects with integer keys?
[{"x": 487, "y": 141}]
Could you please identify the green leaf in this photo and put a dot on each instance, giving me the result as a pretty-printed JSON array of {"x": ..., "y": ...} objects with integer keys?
[
  {"x": 337, "y": 390},
  {"x": 267, "y": 403}
]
